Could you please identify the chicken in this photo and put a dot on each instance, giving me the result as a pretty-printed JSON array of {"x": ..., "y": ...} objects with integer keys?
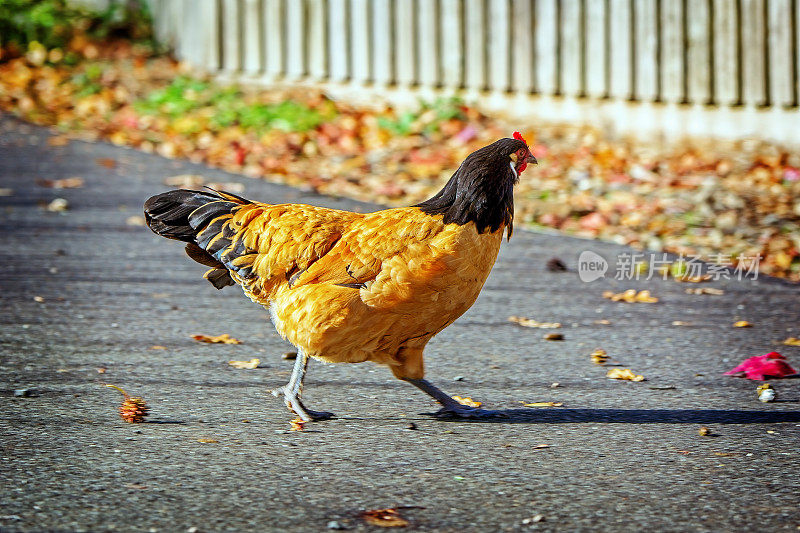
[{"x": 347, "y": 287}]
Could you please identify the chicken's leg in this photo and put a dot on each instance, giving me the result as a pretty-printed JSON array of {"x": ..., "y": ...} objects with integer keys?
[
  {"x": 451, "y": 409},
  {"x": 292, "y": 391}
]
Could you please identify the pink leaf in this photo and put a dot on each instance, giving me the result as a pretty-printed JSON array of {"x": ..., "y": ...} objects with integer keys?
[{"x": 761, "y": 367}]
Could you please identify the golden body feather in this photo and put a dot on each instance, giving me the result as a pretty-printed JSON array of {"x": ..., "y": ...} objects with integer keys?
[{"x": 350, "y": 287}]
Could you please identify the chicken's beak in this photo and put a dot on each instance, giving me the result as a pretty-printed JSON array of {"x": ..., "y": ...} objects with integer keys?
[{"x": 531, "y": 160}]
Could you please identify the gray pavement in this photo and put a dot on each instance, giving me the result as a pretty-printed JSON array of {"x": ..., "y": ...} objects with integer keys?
[{"x": 619, "y": 456}]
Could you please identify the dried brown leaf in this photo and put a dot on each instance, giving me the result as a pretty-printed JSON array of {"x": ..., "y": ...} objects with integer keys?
[
  {"x": 384, "y": 518},
  {"x": 624, "y": 374},
  {"x": 219, "y": 339},
  {"x": 469, "y": 402},
  {"x": 245, "y": 365},
  {"x": 599, "y": 356},
  {"x": 742, "y": 324}
]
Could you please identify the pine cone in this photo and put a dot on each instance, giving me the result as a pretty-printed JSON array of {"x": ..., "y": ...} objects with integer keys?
[{"x": 133, "y": 410}]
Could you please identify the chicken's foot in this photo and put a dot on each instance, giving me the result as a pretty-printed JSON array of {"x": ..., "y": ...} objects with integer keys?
[
  {"x": 452, "y": 409},
  {"x": 291, "y": 392}
]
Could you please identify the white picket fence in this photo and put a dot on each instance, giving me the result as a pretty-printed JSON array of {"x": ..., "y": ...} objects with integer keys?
[{"x": 725, "y": 68}]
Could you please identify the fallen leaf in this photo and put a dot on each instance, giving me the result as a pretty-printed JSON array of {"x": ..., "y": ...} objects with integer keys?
[
  {"x": 384, "y": 518},
  {"x": 540, "y": 446},
  {"x": 289, "y": 356},
  {"x": 704, "y": 290},
  {"x": 543, "y": 404},
  {"x": 245, "y": 365},
  {"x": 761, "y": 367},
  {"x": 58, "y": 205},
  {"x": 298, "y": 424},
  {"x": 531, "y": 323},
  {"x": 630, "y": 296},
  {"x": 106, "y": 162},
  {"x": 4, "y": 191},
  {"x": 742, "y": 324},
  {"x": 602, "y": 322},
  {"x": 101, "y": 370},
  {"x": 219, "y": 339},
  {"x": 469, "y": 402},
  {"x": 66, "y": 183},
  {"x": 38, "y": 299},
  {"x": 681, "y": 323},
  {"x": 599, "y": 356},
  {"x": 208, "y": 441},
  {"x": 554, "y": 337},
  {"x": 704, "y": 431},
  {"x": 792, "y": 341},
  {"x": 158, "y": 347},
  {"x": 135, "y": 220},
  {"x": 624, "y": 374}
]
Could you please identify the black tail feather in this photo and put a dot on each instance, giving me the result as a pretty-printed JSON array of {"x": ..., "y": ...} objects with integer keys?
[{"x": 181, "y": 214}]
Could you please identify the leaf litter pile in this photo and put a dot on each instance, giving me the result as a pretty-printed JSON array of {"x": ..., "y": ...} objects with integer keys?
[{"x": 721, "y": 200}]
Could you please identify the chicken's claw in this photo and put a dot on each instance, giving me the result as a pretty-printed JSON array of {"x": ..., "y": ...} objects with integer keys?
[{"x": 294, "y": 405}]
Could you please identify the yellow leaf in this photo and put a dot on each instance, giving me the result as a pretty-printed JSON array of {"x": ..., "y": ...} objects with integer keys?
[
  {"x": 792, "y": 341},
  {"x": 742, "y": 324},
  {"x": 298, "y": 424},
  {"x": 208, "y": 441},
  {"x": 469, "y": 402},
  {"x": 704, "y": 290},
  {"x": 245, "y": 365},
  {"x": 219, "y": 339},
  {"x": 631, "y": 296},
  {"x": 624, "y": 374},
  {"x": 599, "y": 356}
]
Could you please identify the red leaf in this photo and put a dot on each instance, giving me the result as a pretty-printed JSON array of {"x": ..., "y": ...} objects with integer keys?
[{"x": 761, "y": 367}]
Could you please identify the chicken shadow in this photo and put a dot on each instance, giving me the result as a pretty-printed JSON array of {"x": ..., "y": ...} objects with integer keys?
[{"x": 636, "y": 416}]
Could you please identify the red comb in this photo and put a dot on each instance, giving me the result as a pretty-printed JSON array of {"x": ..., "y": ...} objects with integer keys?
[{"x": 518, "y": 136}]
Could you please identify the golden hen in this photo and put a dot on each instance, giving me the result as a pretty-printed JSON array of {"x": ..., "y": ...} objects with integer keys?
[{"x": 346, "y": 287}]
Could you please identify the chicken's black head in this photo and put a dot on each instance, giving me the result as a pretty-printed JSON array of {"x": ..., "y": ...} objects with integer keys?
[{"x": 482, "y": 189}]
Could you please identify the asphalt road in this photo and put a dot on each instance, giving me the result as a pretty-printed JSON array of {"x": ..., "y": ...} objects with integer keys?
[{"x": 84, "y": 289}]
